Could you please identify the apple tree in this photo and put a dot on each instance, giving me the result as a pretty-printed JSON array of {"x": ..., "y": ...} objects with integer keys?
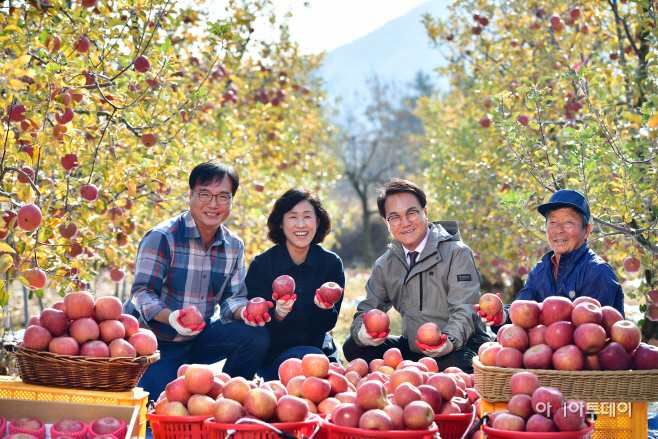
[
  {"x": 547, "y": 96},
  {"x": 105, "y": 107}
]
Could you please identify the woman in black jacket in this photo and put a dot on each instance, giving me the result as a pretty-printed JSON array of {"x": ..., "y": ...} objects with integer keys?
[{"x": 300, "y": 325}]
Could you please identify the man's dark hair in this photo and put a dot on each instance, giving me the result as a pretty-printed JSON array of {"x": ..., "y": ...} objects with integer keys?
[
  {"x": 580, "y": 214},
  {"x": 214, "y": 171},
  {"x": 285, "y": 203},
  {"x": 398, "y": 186}
]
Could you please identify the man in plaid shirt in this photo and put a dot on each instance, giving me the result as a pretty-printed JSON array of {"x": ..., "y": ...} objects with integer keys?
[{"x": 192, "y": 259}]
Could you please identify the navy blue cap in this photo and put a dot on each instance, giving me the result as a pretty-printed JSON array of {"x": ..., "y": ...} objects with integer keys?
[{"x": 566, "y": 198}]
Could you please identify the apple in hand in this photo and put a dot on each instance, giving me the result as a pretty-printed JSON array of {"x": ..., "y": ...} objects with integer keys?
[
  {"x": 283, "y": 286},
  {"x": 491, "y": 304},
  {"x": 257, "y": 307},
  {"x": 376, "y": 321},
  {"x": 330, "y": 292},
  {"x": 192, "y": 316},
  {"x": 429, "y": 334}
]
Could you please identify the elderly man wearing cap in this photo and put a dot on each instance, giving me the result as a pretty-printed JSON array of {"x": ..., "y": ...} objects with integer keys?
[{"x": 571, "y": 269}]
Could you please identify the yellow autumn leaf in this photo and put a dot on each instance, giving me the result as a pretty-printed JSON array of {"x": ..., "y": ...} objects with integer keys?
[
  {"x": 4, "y": 247},
  {"x": 653, "y": 121}
]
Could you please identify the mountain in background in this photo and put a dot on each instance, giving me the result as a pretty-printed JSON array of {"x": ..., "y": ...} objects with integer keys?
[{"x": 394, "y": 52}]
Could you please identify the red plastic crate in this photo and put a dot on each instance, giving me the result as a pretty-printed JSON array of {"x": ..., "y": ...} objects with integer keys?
[
  {"x": 331, "y": 431},
  {"x": 500, "y": 434},
  {"x": 178, "y": 427},
  {"x": 257, "y": 431},
  {"x": 453, "y": 426}
]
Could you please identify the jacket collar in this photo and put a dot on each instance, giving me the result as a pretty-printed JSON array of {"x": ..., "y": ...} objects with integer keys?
[
  {"x": 567, "y": 259},
  {"x": 437, "y": 234},
  {"x": 192, "y": 232},
  {"x": 287, "y": 262}
]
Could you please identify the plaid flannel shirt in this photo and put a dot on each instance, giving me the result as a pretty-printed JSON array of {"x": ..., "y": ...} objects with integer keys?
[{"x": 174, "y": 270}]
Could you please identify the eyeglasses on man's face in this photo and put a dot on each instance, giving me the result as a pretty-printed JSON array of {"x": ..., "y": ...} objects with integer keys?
[
  {"x": 206, "y": 197},
  {"x": 395, "y": 219}
]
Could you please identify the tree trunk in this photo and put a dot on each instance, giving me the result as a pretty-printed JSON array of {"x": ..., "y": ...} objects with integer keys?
[{"x": 365, "y": 228}]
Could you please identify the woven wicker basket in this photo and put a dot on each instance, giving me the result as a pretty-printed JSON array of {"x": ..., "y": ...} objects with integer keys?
[
  {"x": 492, "y": 383},
  {"x": 72, "y": 372}
]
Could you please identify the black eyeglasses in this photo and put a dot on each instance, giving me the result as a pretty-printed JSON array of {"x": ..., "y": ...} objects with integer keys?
[
  {"x": 395, "y": 219},
  {"x": 206, "y": 197}
]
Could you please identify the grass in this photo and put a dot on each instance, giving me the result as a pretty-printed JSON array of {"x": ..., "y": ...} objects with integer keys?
[{"x": 355, "y": 282}]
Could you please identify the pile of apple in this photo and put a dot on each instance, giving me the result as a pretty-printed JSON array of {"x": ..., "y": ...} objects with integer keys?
[
  {"x": 538, "y": 409},
  {"x": 79, "y": 326},
  {"x": 33, "y": 428},
  {"x": 565, "y": 335}
]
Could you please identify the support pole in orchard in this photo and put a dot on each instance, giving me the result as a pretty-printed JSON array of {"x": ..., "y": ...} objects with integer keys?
[
  {"x": 123, "y": 293},
  {"x": 26, "y": 311}
]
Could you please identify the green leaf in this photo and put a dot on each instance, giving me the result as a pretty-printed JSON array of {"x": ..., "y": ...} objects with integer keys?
[
  {"x": 166, "y": 44},
  {"x": 534, "y": 125},
  {"x": 542, "y": 80}
]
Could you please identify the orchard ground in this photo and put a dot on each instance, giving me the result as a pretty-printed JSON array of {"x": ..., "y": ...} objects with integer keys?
[{"x": 354, "y": 292}]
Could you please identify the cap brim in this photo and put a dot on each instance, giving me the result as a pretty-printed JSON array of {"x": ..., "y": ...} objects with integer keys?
[{"x": 544, "y": 208}]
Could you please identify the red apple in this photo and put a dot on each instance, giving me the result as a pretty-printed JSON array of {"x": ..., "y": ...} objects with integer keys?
[
  {"x": 524, "y": 383},
  {"x": 30, "y": 173},
  {"x": 406, "y": 393},
  {"x": 290, "y": 368},
  {"x": 236, "y": 389},
  {"x": 149, "y": 139},
  {"x": 84, "y": 329},
  {"x": 34, "y": 320},
  {"x": 627, "y": 334},
  {"x": 614, "y": 357},
  {"x": 275, "y": 387},
  {"x": 121, "y": 348},
  {"x": 258, "y": 307},
  {"x": 94, "y": 348},
  {"x": 418, "y": 415},
  {"x": 193, "y": 316},
  {"x": 338, "y": 368},
  {"x": 559, "y": 334},
  {"x": 376, "y": 364},
  {"x": 547, "y": 400},
  {"x": 294, "y": 386},
  {"x": 330, "y": 292},
  {"x": 646, "y": 357},
  {"x": 488, "y": 357},
  {"x": 68, "y": 425},
  {"x": 348, "y": 416},
  {"x": 327, "y": 406},
  {"x": 540, "y": 424},
  {"x": 142, "y": 64},
  {"x": 227, "y": 411},
  {"x": 199, "y": 378},
  {"x": 396, "y": 413},
  {"x": 509, "y": 357},
  {"x": 392, "y": 357},
  {"x": 291, "y": 409},
  {"x": 429, "y": 334},
  {"x": 586, "y": 299},
  {"x": 130, "y": 324},
  {"x": 375, "y": 420},
  {"x": 509, "y": 422},
  {"x": 54, "y": 321},
  {"x": 81, "y": 45},
  {"x": 108, "y": 308},
  {"x": 409, "y": 375},
  {"x": 338, "y": 382},
  {"x": 586, "y": 313},
  {"x": 538, "y": 357},
  {"x": 316, "y": 389},
  {"x": 429, "y": 363},
  {"x": 521, "y": 406},
  {"x": 27, "y": 423},
  {"x": 514, "y": 337},
  {"x": 371, "y": 395},
  {"x": 537, "y": 335},
  {"x": 445, "y": 384},
  {"x": 260, "y": 403},
  {"x": 64, "y": 346},
  {"x": 556, "y": 309},
  {"x": 89, "y": 192},
  {"x": 117, "y": 275},
  {"x": 199, "y": 405},
  {"x": 347, "y": 397},
  {"x": 589, "y": 337},
  {"x": 376, "y": 321},
  {"x": 592, "y": 362},
  {"x": 106, "y": 425},
  {"x": 357, "y": 365},
  {"x": 571, "y": 416},
  {"x": 29, "y": 217},
  {"x": 216, "y": 390},
  {"x": 525, "y": 313},
  {"x": 15, "y": 112},
  {"x": 283, "y": 286},
  {"x": 316, "y": 365},
  {"x": 610, "y": 316},
  {"x": 568, "y": 358},
  {"x": 632, "y": 265},
  {"x": 449, "y": 408},
  {"x": 490, "y": 303},
  {"x": 68, "y": 231}
]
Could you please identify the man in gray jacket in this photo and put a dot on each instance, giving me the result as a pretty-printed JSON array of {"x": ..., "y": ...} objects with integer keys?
[{"x": 428, "y": 275}]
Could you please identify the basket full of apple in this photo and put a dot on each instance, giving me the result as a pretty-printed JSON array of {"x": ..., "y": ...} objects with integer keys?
[
  {"x": 391, "y": 397},
  {"x": 587, "y": 351},
  {"x": 80, "y": 343},
  {"x": 33, "y": 428}
]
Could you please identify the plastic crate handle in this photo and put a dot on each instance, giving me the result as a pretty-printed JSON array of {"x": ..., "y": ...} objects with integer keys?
[{"x": 264, "y": 424}]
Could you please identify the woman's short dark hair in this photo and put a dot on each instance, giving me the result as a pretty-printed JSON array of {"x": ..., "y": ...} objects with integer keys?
[
  {"x": 398, "y": 186},
  {"x": 214, "y": 171},
  {"x": 285, "y": 203}
]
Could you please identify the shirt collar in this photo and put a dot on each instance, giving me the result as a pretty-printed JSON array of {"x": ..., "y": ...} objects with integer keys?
[
  {"x": 568, "y": 258},
  {"x": 192, "y": 232},
  {"x": 420, "y": 247},
  {"x": 287, "y": 262}
]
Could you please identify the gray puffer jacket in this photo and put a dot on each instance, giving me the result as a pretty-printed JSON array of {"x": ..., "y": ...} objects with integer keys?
[{"x": 442, "y": 287}]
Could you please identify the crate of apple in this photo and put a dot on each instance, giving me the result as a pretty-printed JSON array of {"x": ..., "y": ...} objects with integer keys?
[
  {"x": 28, "y": 427},
  {"x": 561, "y": 335},
  {"x": 389, "y": 394},
  {"x": 80, "y": 326},
  {"x": 536, "y": 409},
  {"x": 69, "y": 428}
]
